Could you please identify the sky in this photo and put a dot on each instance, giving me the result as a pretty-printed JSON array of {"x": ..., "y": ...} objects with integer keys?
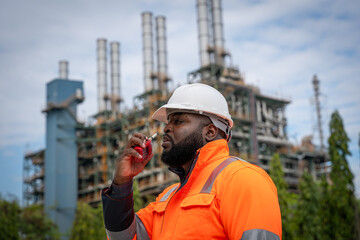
[{"x": 278, "y": 45}]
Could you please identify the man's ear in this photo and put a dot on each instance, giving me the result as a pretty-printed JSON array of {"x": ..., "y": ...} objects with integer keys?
[{"x": 211, "y": 132}]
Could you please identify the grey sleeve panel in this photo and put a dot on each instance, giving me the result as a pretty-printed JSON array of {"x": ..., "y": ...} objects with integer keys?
[
  {"x": 141, "y": 232},
  {"x": 126, "y": 234},
  {"x": 259, "y": 234},
  {"x": 129, "y": 233}
]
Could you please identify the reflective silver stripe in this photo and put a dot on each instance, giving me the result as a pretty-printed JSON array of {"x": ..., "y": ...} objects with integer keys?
[
  {"x": 165, "y": 197},
  {"x": 141, "y": 232},
  {"x": 126, "y": 234},
  {"x": 210, "y": 181},
  {"x": 259, "y": 234}
]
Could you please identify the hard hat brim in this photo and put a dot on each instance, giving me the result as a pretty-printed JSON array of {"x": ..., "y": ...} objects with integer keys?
[{"x": 162, "y": 115}]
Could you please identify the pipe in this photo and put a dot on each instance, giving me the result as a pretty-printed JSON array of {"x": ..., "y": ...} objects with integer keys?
[
  {"x": 161, "y": 53},
  {"x": 115, "y": 75},
  {"x": 203, "y": 30},
  {"x": 147, "y": 49},
  {"x": 217, "y": 27},
  {"x": 101, "y": 74},
  {"x": 64, "y": 70}
]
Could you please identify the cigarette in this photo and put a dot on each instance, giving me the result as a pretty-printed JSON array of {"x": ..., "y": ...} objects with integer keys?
[{"x": 153, "y": 136}]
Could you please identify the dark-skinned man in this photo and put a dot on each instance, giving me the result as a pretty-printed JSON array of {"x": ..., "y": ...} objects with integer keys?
[{"x": 218, "y": 197}]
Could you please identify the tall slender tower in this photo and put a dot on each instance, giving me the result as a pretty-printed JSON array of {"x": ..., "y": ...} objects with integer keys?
[
  {"x": 316, "y": 84},
  {"x": 61, "y": 179},
  {"x": 102, "y": 74},
  {"x": 148, "y": 51},
  {"x": 115, "y": 76}
]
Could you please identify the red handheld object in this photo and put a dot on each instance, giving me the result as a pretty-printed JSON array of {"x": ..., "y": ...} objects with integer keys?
[{"x": 146, "y": 152}]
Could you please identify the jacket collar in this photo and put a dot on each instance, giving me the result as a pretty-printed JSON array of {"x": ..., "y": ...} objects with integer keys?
[{"x": 209, "y": 153}]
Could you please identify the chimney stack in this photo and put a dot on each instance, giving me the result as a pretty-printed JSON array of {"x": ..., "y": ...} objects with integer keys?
[
  {"x": 101, "y": 74},
  {"x": 115, "y": 76},
  {"x": 64, "y": 70},
  {"x": 217, "y": 27},
  {"x": 161, "y": 54},
  {"x": 211, "y": 37},
  {"x": 203, "y": 30},
  {"x": 147, "y": 50}
]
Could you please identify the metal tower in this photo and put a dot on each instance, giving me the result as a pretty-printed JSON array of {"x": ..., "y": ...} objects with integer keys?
[{"x": 61, "y": 181}]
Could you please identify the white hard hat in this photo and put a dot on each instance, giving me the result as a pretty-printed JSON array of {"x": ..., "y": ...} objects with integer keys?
[{"x": 201, "y": 99}]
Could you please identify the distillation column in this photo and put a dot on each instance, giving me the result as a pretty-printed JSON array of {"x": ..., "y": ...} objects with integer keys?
[
  {"x": 203, "y": 31},
  {"x": 147, "y": 37},
  {"x": 217, "y": 27},
  {"x": 61, "y": 176},
  {"x": 161, "y": 54},
  {"x": 101, "y": 74},
  {"x": 115, "y": 76}
]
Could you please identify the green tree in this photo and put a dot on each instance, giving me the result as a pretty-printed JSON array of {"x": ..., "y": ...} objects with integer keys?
[
  {"x": 342, "y": 202},
  {"x": 285, "y": 198},
  {"x": 34, "y": 224},
  {"x": 9, "y": 219},
  {"x": 25, "y": 223},
  {"x": 88, "y": 224},
  {"x": 325, "y": 213},
  {"x": 306, "y": 216},
  {"x": 138, "y": 201}
]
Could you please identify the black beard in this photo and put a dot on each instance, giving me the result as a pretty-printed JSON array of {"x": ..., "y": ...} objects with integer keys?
[{"x": 184, "y": 151}]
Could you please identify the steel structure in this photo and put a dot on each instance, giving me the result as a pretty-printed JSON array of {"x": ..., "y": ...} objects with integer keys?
[
  {"x": 61, "y": 151},
  {"x": 316, "y": 85}
]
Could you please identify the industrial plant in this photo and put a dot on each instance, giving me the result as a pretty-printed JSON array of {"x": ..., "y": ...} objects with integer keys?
[{"x": 79, "y": 159}]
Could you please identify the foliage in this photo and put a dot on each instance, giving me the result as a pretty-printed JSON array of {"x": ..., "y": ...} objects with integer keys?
[
  {"x": 306, "y": 217},
  {"x": 35, "y": 224},
  {"x": 25, "y": 223},
  {"x": 285, "y": 198},
  {"x": 9, "y": 219},
  {"x": 342, "y": 201},
  {"x": 88, "y": 223},
  {"x": 138, "y": 201}
]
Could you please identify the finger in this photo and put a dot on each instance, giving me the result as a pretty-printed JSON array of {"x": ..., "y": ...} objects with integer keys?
[
  {"x": 130, "y": 152},
  {"x": 137, "y": 140},
  {"x": 140, "y": 135}
]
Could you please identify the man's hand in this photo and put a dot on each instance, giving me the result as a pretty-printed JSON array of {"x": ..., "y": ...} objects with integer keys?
[{"x": 126, "y": 166}]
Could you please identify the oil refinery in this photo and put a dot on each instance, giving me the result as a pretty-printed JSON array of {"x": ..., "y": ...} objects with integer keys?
[{"x": 78, "y": 160}]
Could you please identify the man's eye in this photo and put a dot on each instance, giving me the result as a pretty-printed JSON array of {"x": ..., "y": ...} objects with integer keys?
[{"x": 178, "y": 121}]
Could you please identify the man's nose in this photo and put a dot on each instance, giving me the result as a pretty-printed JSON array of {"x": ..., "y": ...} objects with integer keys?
[{"x": 167, "y": 128}]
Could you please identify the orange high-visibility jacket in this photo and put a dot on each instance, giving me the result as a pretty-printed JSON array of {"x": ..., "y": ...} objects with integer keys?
[{"x": 221, "y": 198}]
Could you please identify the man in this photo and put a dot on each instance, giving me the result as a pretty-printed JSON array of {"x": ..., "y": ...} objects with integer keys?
[{"x": 218, "y": 197}]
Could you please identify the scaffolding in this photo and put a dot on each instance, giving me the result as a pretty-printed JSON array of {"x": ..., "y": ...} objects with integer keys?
[{"x": 100, "y": 144}]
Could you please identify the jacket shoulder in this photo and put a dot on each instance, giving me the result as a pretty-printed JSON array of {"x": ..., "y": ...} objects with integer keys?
[{"x": 242, "y": 173}]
